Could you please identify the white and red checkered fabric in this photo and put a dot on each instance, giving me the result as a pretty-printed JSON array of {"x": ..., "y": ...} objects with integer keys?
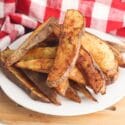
[{"x": 16, "y": 15}]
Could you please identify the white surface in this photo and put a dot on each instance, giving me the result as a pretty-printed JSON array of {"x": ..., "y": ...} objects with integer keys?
[
  {"x": 115, "y": 92},
  {"x": 68, "y": 4},
  {"x": 98, "y": 14}
]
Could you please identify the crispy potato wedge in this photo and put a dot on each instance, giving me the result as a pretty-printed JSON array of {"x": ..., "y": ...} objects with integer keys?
[
  {"x": 84, "y": 90},
  {"x": 101, "y": 53},
  {"x": 16, "y": 76},
  {"x": 39, "y": 65},
  {"x": 94, "y": 76},
  {"x": 40, "y": 52},
  {"x": 40, "y": 81},
  {"x": 39, "y": 35},
  {"x": 77, "y": 76},
  {"x": 44, "y": 65},
  {"x": 69, "y": 40}
]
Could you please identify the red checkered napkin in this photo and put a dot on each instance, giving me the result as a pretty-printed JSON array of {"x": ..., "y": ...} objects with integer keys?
[{"x": 18, "y": 15}]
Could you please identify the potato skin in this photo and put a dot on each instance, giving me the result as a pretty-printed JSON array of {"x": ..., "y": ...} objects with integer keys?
[{"x": 93, "y": 75}]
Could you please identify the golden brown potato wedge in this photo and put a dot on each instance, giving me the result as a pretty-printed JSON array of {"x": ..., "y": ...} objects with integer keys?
[
  {"x": 16, "y": 76},
  {"x": 77, "y": 76},
  {"x": 68, "y": 49},
  {"x": 39, "y": 35},
  {"x": 94, "y": 76},
  {"x": 40, "y": 52},
  {"x": 101, "y": 53},
  {"x": 44, "y": 65},
  {"x": 40, "y": 81},
  {"x": 84, "y": 90},
  {"x": 39, "y": 65}
]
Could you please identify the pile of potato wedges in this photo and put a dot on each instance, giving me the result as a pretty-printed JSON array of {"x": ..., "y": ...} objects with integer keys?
[{"x": 63, "y": 60}]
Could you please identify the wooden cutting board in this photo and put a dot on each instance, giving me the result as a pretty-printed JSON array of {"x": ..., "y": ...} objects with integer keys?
[{"x": 13, "y": 114}]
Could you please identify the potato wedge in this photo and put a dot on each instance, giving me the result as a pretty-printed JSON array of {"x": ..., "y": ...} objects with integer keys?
[
  {"x": 44, "y": 65},
  {"x": 16, "y": 76},
  {"x": 39, "y": 65},
  {"x": 70, "y": 42},
  {"x": 40, "y": 81},
  {"x": 77, "y": 76},
  {"x": 101, "y": 53},
  {"x": 40, "y": 52},
  {"x": 67, "y": 91},
  {"x": 94, "y": 76},
  {"x": 84, "y": 90},
  {"x": 72, "y": 94},
  {"x": 39, "y": 35}
]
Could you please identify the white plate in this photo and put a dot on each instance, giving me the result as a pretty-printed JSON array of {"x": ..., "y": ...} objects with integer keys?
[{"x": 115, "y": 92}]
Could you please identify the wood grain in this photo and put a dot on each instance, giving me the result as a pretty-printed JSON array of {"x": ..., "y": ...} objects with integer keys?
[{"x": 13, "y": 114}]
